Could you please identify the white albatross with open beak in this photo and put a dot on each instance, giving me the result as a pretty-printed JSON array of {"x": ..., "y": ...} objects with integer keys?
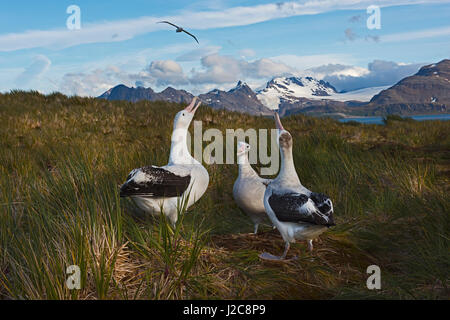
[{"x": 183, "y": 179}]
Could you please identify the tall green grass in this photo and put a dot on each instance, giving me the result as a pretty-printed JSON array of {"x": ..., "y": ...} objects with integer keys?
[{"x": 63, "y": 158}]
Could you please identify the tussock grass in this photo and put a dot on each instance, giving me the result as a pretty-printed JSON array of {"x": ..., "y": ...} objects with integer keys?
[{"x": 62, "y": 159}]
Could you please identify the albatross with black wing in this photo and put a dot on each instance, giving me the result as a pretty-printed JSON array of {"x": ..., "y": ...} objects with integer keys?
[
  {"x": 180, "y": 29},
  {"x": 154, "y": 181},
  {"x": 298, "y": 213},
  {"x": 184, "y": 178}
]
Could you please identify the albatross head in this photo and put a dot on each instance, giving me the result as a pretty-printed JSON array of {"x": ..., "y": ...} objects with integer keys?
[
  {"x": 242, "y": 148},
  {"x": 184, "y": 117},
  {"x": 284, "y": 137}
]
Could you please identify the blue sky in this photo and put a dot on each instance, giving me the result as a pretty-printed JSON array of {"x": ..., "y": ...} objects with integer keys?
[{"x": 120, "y": 42}]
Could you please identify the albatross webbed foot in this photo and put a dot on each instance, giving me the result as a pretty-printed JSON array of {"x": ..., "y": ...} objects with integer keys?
[
  {"x": 271, "y": 257},
  {"x": 310, "y": 245}
]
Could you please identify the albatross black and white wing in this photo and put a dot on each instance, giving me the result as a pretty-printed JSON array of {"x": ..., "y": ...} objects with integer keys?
[
  {"x": 151, "y": 181},
  {"x": 297, "y": 207}
]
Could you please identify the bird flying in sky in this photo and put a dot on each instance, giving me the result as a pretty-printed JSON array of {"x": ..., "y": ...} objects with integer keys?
[{"x": 179, "y": 29}]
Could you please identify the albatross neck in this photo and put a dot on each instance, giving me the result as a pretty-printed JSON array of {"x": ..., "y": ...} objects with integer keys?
[
  {"x": 288, "y": 174},
  {"x": 245, "y": 169},
  {"x": 179, "y": 153}
]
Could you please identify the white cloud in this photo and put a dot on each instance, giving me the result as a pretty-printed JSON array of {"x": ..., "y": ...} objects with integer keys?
[
  {"x": 222, "y": 72},
  {"x": 217, "y": 72},
  {"x": 197, "y": 54},
  {"x": 247, "y": 53},
  {"x": 266, "y": 68},
  {"x": 38, "y": 67},
  {"x": 95, "y": 82},
  {"x": 414, "y": 35},
  {"x": 311, "y": 61},
  {"x": 121, "y": 30},
  {"x": 379, "y": 73},
  {"x": 226, "y": 69},
  {"x": 165, "y": 72},
  {"x": 158, "y": 74},
  {"x": 336, "y": 70},
  {"x": 218, "y": 69}
]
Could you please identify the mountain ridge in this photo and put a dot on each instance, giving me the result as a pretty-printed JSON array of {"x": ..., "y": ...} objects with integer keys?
[
  {"x": 240, "y": 98},
  {"x": 431, "y": 84},
  {"x": 428, "y": 91}
]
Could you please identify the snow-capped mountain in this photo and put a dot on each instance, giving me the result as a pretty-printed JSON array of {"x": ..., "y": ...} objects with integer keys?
[
  {"x": 289, "y": 90},
  {"x": 284, "y": 91}
]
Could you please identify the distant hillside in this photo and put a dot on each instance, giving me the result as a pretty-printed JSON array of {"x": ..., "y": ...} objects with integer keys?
[
  {"x": 241, "y": 99},
  {"x": 122, "y": 92},
  {"x": 430, "y": 85}
]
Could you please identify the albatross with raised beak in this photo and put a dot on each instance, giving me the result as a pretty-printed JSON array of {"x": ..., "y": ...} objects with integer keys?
[
  {"x": 183, "y": 179},
  {"x": 298, "y": 213},
  {"x": 249, "y": 188}
]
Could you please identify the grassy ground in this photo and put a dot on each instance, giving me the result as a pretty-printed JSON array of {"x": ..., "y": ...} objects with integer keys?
[{"x": 62, "y": 159}]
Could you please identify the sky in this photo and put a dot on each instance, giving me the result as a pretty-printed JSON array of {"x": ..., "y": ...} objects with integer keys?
[{"x": 344, "y": 42}]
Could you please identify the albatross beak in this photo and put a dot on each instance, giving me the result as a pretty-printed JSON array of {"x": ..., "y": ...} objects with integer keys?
[
  {"x": 278, "y": 122},
  {"x": 193, "y": 107}
]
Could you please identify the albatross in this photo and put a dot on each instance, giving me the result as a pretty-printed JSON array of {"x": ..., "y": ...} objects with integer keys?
[
  {"x": 183, "y": 179},
  {"x": 249, "y": 188},
  {"x": 298, "y": 213},
  {"x": 180, "y": 29}
]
